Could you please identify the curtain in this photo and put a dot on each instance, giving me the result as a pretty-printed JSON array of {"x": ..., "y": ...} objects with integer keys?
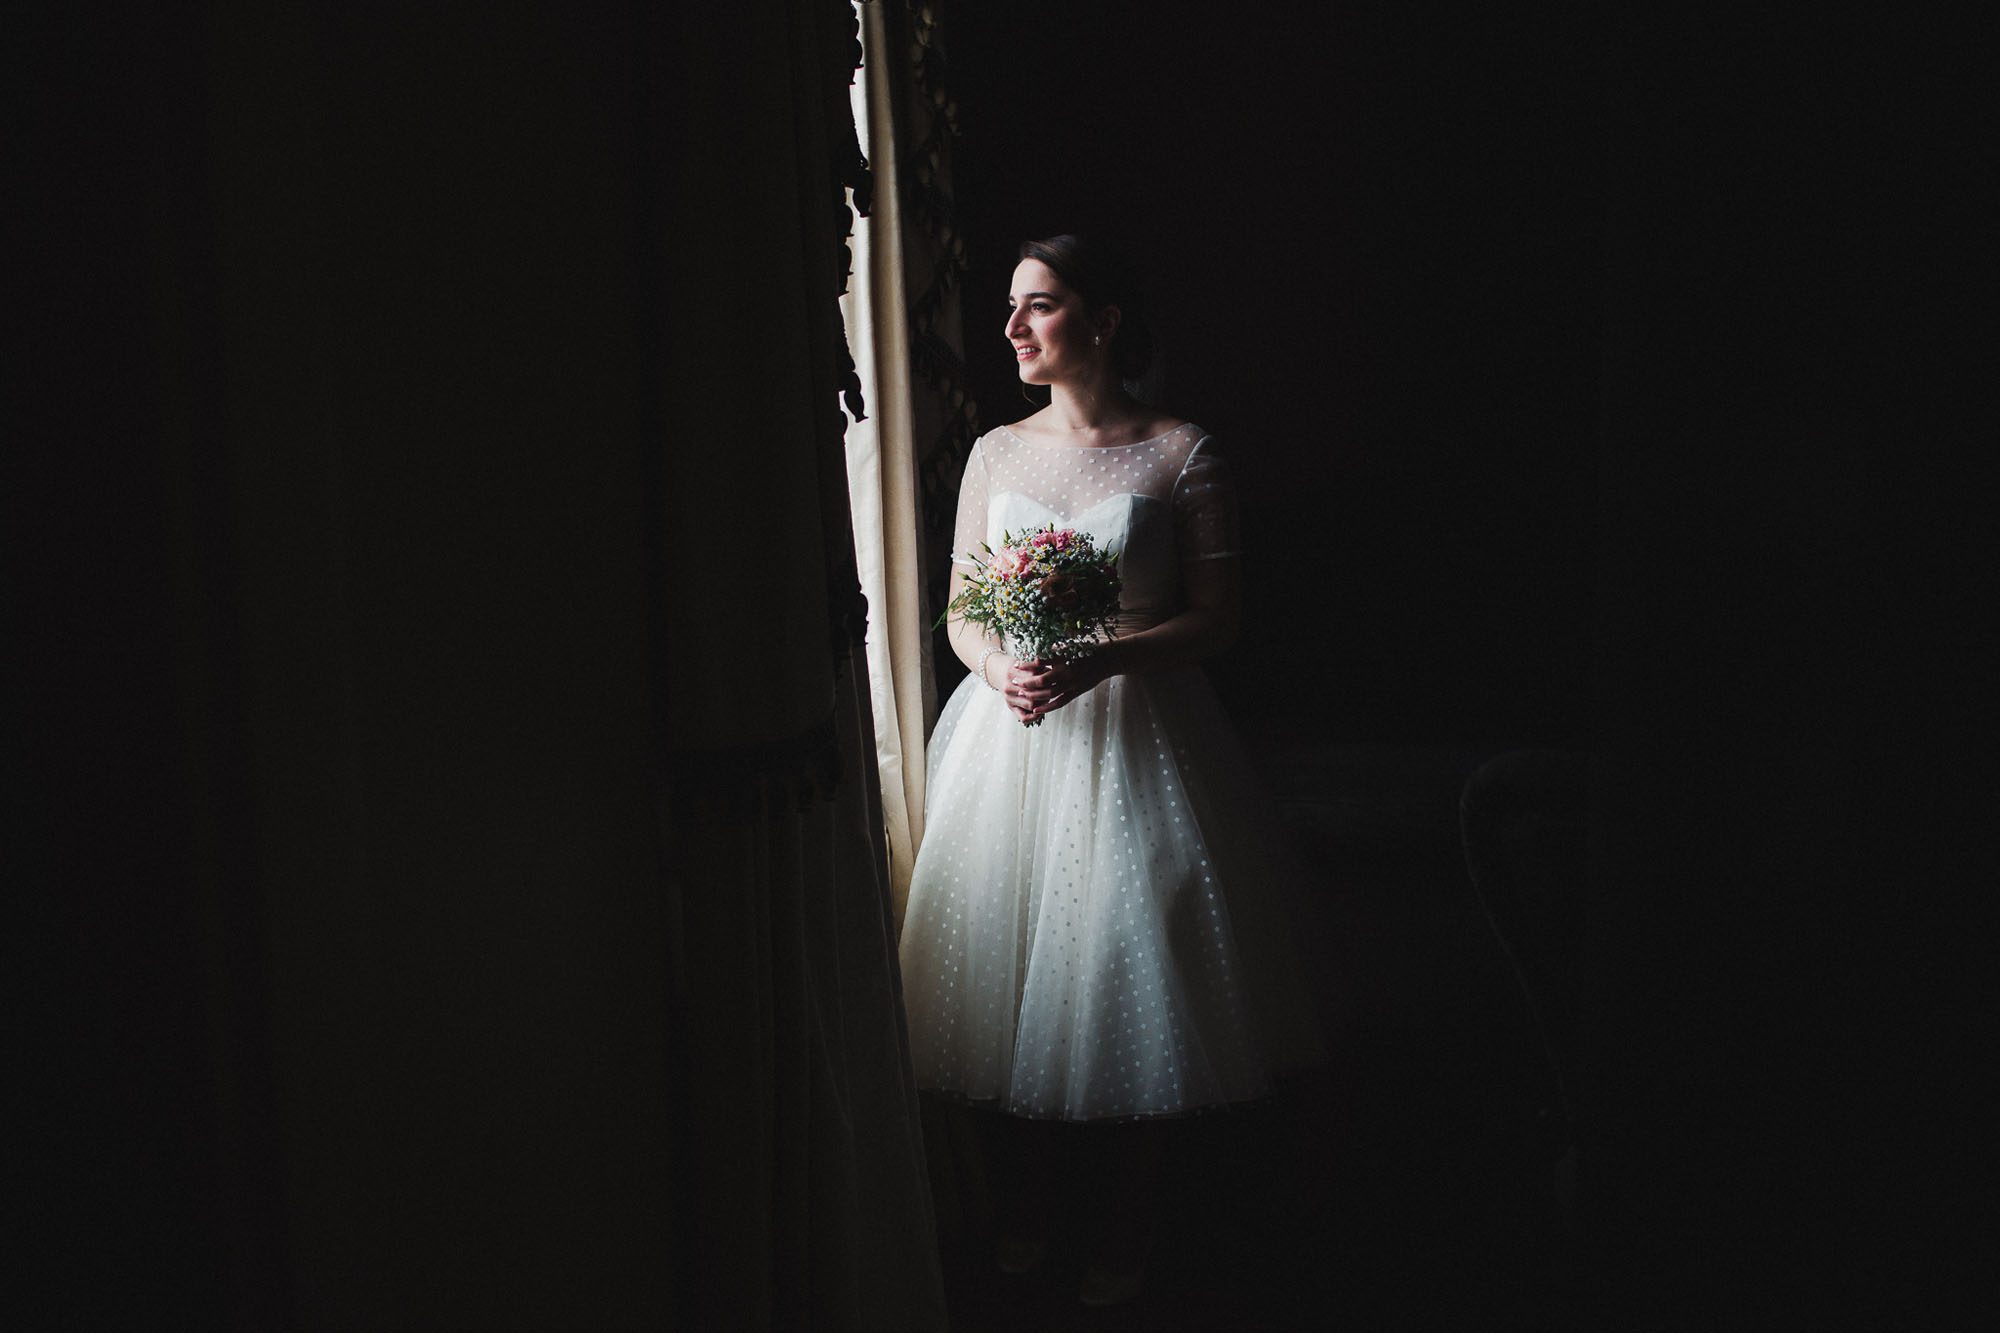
[
  {"x": 903, "y": 320},
  {"x": 450, "y": 833},
  {"x": 881, "y": 456},
  {"x": 797, "y": 1063}
]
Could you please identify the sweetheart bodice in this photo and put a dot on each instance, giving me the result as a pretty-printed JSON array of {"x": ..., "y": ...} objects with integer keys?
[{"x": 1158, "y": 503}]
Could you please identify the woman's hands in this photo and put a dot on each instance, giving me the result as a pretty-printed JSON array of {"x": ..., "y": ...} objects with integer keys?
[
  {"x": 1035, "y": 688},
  {"x": 1013, "y": 676}
]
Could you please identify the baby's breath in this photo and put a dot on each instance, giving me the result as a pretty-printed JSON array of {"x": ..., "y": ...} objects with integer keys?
[{"x": 1048, "y": 592}]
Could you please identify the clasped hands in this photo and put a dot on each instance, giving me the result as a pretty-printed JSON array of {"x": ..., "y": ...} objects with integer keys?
[{"x": 1036, "y": 687}]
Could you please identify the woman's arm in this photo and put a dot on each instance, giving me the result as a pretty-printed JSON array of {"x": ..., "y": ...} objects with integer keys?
[
  {"x": 1209, "y": 624},
  {"x": 1205, "y": 531},
  {"x": 998, "y": 668},
  {"x": 968, "y": 641}
]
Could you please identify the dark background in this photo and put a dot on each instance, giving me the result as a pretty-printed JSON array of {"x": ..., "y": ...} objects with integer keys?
[
  {"x": 1374, "y": 236},
  {"x": 1568, "y": 358},
  {"x": 1564, "y": 354}
]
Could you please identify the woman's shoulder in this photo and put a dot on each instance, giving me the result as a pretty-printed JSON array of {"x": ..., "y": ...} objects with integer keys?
[
  {"x": 1035, "y": 428},
  {"x": 1027, "y": 427},
  {"x": 1166, "y": 427},
  {"x": 1188, "y": 440}
]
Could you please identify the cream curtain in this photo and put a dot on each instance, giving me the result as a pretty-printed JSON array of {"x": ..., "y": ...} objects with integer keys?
[{"x": 882, "y": 453}]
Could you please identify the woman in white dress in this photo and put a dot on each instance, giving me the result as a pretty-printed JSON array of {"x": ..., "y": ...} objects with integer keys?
[{"x": 1089, "y": 933}]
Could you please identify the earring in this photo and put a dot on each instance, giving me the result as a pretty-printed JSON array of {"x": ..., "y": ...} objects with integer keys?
[{"x": 1096, "y": 341}]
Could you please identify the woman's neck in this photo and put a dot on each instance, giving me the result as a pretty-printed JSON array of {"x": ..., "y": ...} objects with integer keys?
[{"x": 1083, "y": 408}]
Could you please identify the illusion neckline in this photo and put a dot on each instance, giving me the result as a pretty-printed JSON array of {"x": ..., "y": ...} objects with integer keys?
[{"x": 1093, "y": 448}]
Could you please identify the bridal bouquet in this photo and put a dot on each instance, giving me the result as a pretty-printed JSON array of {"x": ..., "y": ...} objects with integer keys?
[{"x": 1048, "y": 592}]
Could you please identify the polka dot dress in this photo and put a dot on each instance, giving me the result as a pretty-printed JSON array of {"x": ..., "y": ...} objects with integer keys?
[{"x": 1068, "y": 948}]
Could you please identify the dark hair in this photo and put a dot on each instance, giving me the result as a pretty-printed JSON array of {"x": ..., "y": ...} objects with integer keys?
[{"x": 1101, "y": 276}]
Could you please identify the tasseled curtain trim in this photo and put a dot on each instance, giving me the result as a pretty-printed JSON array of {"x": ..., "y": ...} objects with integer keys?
[
  {"x": 738, "y": 782},
  {"x": 747, "y": 781}
]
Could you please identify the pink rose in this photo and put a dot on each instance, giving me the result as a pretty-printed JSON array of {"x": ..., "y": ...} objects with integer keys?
[{"x": 1011, "y": 564}]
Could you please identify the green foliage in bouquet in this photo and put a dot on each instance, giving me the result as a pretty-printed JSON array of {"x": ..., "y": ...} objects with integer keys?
[{"x": 1048, "y": 592}]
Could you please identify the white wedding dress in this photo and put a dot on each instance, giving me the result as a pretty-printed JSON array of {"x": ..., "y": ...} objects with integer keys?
[{"x": 1093, "y": 928}]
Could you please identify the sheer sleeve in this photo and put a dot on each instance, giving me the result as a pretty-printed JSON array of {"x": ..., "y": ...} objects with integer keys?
[
  {"x": 1205, "y": 519},
  {"x": 968, "y": 641},
  {"x": 970, "y": 532}
]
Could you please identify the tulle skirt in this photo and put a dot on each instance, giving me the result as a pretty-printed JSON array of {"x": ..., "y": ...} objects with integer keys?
[{"x": 1095, "y": 924}]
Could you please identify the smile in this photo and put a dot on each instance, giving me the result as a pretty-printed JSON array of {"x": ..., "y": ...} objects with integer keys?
[{"x": 1023, "y": 353}]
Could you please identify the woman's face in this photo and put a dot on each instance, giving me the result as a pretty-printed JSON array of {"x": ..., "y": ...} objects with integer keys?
[{"x": 1048, "y": 326}]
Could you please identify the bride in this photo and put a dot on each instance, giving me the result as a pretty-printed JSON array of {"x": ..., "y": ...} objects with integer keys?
[{"x": 1087, "y": 937}]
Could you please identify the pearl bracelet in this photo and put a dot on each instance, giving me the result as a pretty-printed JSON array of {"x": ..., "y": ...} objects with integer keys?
[{"x": 982, "y": 670}]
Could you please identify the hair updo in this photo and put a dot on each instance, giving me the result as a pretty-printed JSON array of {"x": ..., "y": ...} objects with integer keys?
[{"x": 1100, "y": 276}]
